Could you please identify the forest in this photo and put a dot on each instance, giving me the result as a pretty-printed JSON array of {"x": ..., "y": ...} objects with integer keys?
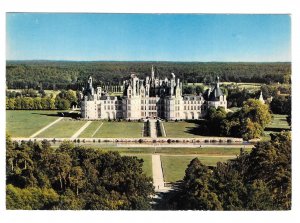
[
  {"x": 73, "y": 177},
  {"x": 259, "y": 180},
  {"x": 58, "y": 75}
]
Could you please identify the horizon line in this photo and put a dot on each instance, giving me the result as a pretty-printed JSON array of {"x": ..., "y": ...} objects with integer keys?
[{"x": 155, "y": 61}]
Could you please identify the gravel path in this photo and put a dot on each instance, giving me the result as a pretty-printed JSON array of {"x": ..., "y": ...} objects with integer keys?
[
  {"x": 46, "y": 127},
  {"x": 158, "y": 177},
  {"x": 153, "y": 133},
  {"x": 80, "y": 130}
]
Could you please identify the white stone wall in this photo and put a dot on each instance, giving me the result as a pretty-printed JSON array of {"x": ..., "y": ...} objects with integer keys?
[
  {"x": 89, "y": 109},
  {"x": 174, "y": 106}
]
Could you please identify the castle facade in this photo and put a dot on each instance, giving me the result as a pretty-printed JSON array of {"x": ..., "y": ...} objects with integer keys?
[{"x": 149, "y": 98}]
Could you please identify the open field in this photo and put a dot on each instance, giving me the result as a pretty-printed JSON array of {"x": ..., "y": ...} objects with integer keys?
[
  {"x": 62, "y": 129},
  {"x": 24, "y": 123},
  {"x": 242, "y": 85},
  {"x": 181, "y": 129},
  {"x": 147, "y": 165},
  {"x": 91, "y": 130},
  {"x": 277, "y": 124},
  {"x": 174, "y": 166},
  {"x": 217, "y": 151},
  {"x": 52, "y": 92},
  {"x": 279, "y": 121},
  {"x": 119, "y": 130}
]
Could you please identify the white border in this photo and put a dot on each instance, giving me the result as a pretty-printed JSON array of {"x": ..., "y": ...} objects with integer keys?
[{"x": 154, "y": 6}]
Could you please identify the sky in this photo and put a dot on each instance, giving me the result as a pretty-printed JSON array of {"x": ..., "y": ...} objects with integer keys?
[{"x": 148, "y": 37}]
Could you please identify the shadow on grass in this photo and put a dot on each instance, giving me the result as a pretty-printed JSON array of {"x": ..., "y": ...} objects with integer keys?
[
  {"x": 61, "y": 114},
  {"x": 200, "y": 129},
  {"x": 272, "y": 129}
]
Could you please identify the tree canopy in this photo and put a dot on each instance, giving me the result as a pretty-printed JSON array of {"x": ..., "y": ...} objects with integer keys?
[
  {"x": 74, "y": 177},
  {"x": 72, "y": 75},
  {"x": 259, "y": 180}
]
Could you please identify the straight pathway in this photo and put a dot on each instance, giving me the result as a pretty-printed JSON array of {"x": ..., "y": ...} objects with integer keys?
[
  {"x": 153, "y": 133},
  {"x": 46, "y": 127},
  {"x": 97, "y": 129},
  {"x": 80, "y": 130},
  {"x": 163, "y": 129},
  {"x": 158, "y": 177}
]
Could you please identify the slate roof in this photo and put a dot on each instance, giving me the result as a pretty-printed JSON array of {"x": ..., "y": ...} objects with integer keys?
[{"x": 215, "y": 94}]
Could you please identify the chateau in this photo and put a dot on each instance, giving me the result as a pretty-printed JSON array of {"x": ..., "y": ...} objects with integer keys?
[{"x": 149, "y": 98}]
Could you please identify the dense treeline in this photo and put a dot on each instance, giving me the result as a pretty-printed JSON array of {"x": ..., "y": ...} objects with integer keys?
[
  {"x": 248, "y": 122},
  {"x": 63, "y": 101},
  {"x": 237, "y": 96},
  {"x": 72, "y": 75},
  {"x": 282, "y": 105},
  {"x": 259, "y": 180},
  {"x": 73, "y": 177}
]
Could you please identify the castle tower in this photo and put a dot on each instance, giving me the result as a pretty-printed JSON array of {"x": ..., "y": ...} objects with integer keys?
[
  {"x": 261, "y": 98},
  {"x": 217, "y": 82},
  {"x": 152, "y": 73}
]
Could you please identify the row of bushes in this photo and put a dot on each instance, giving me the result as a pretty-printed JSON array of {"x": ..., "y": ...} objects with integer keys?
[
  {"x": 158, "y": 129},
  {"x": 147, "y": 130}
]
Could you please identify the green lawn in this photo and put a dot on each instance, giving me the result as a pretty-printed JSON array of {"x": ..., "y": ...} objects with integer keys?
[
  {"x": 120, "y": 130},
  {"x": 167, "y": 150},
  {"x": 91, "y": 130},
  {"x": 181, "y": 129},
  {"x": 206, "y": 150},
  {"x": 279, "y": 121},
  {"x": 174, "y": 166},
  {"x": 277, "y": 124},
  {"x": 65, "y": 128},
  {"x": 24, "y": 123},
  {"x": 147, "y": 165},
  {"x": 52, "y": 92}
]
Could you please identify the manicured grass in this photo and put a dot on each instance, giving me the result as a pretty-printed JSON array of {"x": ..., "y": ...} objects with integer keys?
[
  {"x": 174, "y": 166},
  {"x": 127, "y": 150},
  {"x": 254, "y": 86},
  {"x": 65, "y": 128},
  {"x": 206, "y": 150},
  {"x": 120, "y": 130},
  {"x": 147, "y": 165},
  {"x": 167, "y": 150},
  {"x": 24, "y": 123},
  {"x": 91, "y": 130},
  {"x": 279, "y": 121},
  {"x": 277, "y": 124},
  {"x": 181, "y": 129}
]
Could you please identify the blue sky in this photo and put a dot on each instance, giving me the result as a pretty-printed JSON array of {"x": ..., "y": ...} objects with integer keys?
[{"x": 148, "y": 37}]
